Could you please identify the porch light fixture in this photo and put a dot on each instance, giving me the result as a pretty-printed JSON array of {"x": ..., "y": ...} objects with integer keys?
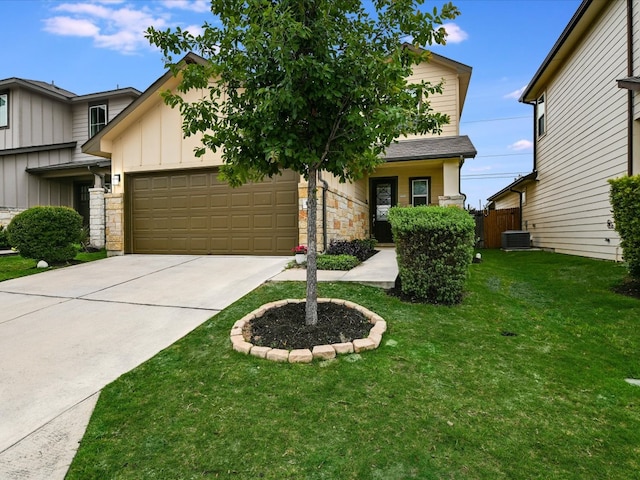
[{"x": 115, "y": 179}]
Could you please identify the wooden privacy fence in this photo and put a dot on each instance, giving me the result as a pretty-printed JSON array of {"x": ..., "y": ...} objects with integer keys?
[{"x": 491, "y": 223}]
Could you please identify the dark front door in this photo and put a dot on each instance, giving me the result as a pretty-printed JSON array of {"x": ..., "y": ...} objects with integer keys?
[
  {"x": 82, "y": 201},
  {"x": 384, "y": 195}
]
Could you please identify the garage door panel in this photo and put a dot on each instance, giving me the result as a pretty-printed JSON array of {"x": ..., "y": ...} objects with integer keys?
[{"x": 192, "y": 212}]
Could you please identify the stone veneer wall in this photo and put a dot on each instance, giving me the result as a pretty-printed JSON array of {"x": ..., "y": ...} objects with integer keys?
[
  {"x": 96, "y": 217},
  {"x": 7, "y": 213},
  {"x": 347, "y": 217},
  {"x": 449, "y": 200},
  {"x": 114, "y": 225}
]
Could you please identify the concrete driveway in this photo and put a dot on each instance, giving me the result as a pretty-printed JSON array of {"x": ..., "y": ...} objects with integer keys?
[{"x": 65, "y": 334}]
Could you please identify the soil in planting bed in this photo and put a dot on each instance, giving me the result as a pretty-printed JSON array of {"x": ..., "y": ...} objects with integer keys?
[
  {"x": 629, "y": 287},
  {"x": 284, "y": 327}
]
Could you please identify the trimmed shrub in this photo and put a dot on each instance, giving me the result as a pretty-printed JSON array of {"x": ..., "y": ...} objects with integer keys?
[
  {"x": 359, "y": 248},
  {"x": 337, "y": 262},
  {"x": 625, "y": 200},
  {"x": 46, "y": 233},
  {"x": 4, "y": 239},
  {"x": 434, "y": 247}
]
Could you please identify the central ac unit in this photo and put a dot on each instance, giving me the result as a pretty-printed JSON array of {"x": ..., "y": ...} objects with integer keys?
[{"x": 516, "y": 239}]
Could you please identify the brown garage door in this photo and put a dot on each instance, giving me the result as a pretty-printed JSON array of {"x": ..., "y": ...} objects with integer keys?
[{"x": 192, "y": 212}]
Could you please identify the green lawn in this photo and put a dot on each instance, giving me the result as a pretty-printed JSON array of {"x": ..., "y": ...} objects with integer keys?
[
  {"x": 14, "y": 266},
  {"x": 447, "y": 395}
]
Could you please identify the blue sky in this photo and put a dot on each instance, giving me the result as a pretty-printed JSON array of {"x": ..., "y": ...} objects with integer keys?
[{"x": 96, "y": 45}]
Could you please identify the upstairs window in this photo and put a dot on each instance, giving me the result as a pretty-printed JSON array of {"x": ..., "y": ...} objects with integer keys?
[
  {"x": 97, "y": 118},
  {"x": 4, "y": 109},
  {"x": 419, "y": 191},
  {"x": 540, "y": 116}
]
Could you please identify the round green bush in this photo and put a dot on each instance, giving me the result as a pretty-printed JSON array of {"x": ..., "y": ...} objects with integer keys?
[{"x": 46, "y": 233}]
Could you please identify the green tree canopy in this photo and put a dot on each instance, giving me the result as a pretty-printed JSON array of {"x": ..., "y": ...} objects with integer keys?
[{"x": 306, "y": 85}]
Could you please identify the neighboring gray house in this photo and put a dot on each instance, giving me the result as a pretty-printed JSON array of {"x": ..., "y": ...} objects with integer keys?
[
  {"x": 586, "y": 99},
  {"x": 42, "y": 128}
]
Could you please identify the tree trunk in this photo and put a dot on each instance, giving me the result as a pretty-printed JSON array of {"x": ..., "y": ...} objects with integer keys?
[{"x": 311, "y": 311}]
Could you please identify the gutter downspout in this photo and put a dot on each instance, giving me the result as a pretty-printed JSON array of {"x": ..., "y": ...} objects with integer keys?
[
  {"x": 464, "y": 195},
  {"x": 520, "y": 195},
  {"x": 325, "y": 187},
  {"x": 630, "y": 121}
]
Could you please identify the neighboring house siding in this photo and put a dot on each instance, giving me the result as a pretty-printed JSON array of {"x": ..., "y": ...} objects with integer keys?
[
  {"x": 81, "y": 121},
  {"x": 511, "y": 200},
  {"x": 35, "y": 120},
  {"x": 20, "y": 190},
  {"x": 448, "y": 102},
  {"x": 585, "y": 144}
]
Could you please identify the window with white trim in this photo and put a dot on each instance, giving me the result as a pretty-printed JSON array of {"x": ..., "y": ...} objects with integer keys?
[
  {"x": 541, "y": 125},
  {"x": 4, "y": 109},
  {"x": 420, "y": 191},
  {"x": 97, "y": 118}
]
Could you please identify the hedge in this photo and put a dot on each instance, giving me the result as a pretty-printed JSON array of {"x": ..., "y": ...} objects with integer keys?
[
  {"x": 46, "y": 233},
  {"x": 625, "y": 200},
  {"x": 434, "y": 247}
]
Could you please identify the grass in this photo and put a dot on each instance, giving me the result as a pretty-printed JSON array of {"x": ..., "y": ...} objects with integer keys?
[
  {"x": 14, "y": 266},
  {"x": 447, "y": 395}
]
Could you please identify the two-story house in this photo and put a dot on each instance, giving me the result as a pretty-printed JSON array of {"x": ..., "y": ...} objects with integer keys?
[
  {"x": 585, "y": 99},
  {"x": 42, "y": 129},
  {"x": 166, "y": 200}
]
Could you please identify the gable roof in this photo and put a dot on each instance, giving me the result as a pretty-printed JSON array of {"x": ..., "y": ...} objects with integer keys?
[
  {"x": 530, "y": 177},
  {"x": 53, "y": 91},
  {"x": 125, "y": 117},
  {"x": 430, "y": 149},
  {"x": 582, "y": 20}
]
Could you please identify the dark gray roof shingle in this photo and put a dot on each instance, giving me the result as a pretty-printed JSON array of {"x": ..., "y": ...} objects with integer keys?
[{"x": 430, "y": 148}]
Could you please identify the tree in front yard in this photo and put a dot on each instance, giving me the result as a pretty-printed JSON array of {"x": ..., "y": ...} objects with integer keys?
[{"x": 306, "y": 85}]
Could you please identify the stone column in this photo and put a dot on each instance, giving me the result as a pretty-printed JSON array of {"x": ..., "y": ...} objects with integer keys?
[
  {"x": 114, "y": 229},
  {"x": 96, "y": 217}
]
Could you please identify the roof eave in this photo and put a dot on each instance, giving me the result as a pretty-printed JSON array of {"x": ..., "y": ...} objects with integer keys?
[
  {"x": 530, "y": 177},
  {"x": 582, "y": 19},
  {"x": 93, "y": 146}
]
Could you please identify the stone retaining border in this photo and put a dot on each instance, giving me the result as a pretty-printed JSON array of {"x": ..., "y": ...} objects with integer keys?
[{"x": 321, "y": 352}]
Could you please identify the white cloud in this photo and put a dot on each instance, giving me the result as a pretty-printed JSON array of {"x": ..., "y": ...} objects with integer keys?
[
  {"x": 516, "y": 93},
  {"x": 194, "y": 30},
  {"x": 72, "y": 27},
  {"x": 521, "y": 145},
  {"x": 111, "y": 25},
  {"x": 200, "y": 6},
  {"x": 454, "y": 33}
]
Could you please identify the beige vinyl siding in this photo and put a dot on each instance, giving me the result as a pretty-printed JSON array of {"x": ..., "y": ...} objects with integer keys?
[
  {"x": 448, "y": 101},
  {"x": 510, "y": 200},
  {"x": 585, "y": 144}
]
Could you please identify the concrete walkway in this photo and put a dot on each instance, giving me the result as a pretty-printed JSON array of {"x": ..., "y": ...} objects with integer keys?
[
  {"x": 380, "y": 270},
  {"x": 65, "y": 334}
]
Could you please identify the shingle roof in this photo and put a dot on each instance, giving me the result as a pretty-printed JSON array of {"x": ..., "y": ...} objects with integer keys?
[{"x": 430, "y": 148}]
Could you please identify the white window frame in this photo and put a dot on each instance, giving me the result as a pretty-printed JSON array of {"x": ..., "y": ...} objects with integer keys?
[
  {"x": 95, "y": 127},
  {"x": 4, "y": 110},
  {"x": 541, "y": 115},
  {"x": 426, "y": 196}
]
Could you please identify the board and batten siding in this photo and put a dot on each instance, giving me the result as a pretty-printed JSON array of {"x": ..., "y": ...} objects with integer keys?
[
  {"x": 18, "y": 189},
  {"x": 585, "y": 145},
  {"x": 154, "y": 142},
  {"x": 35, "y": 120}
]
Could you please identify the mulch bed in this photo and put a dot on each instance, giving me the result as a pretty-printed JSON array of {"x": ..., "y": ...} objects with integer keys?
[
  {"x": 630, "y": 288},
  {"x": 284, "y": 327}
]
